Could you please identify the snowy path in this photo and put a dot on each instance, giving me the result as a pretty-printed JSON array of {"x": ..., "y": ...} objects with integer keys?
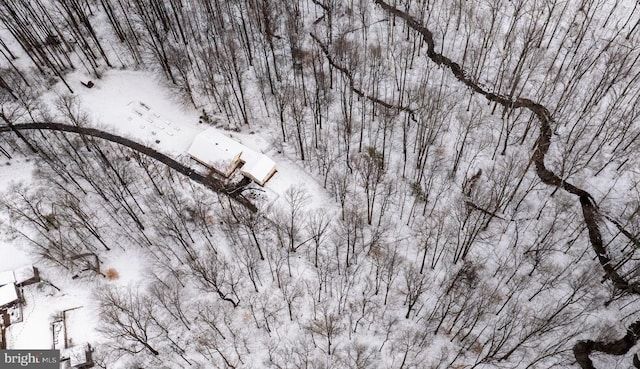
[{"x": 210, "y": 182}]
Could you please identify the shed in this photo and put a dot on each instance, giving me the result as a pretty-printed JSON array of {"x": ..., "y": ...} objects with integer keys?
[
  {"x": 79, "y": 356},
  {"x": 26, "y": 275},
  {"x": 8, "y": 295},
  {"x": 217, "y": 151},
  {"x": 22, "y": 276}
]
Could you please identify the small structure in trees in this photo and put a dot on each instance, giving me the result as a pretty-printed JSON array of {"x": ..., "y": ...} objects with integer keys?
[
  {"x": 77, "y": 357},
  {"x": 10, "y": 309},
  {"x": 224, "y": 155},
  {"x": 8, "y": 295},
  {"x": 88, "y": 261},
  {"x": 26, "y": 275},
  {"x": 72, "y": 356},
  {"x": 21, "y": 277}
]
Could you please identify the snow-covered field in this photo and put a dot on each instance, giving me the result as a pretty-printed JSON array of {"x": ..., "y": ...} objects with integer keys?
[{"x": 114, "y": 103}]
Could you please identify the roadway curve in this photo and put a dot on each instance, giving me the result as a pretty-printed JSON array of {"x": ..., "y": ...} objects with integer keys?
[
  {"x": 589, "y": 208},
  {"x": 233, "y": 191}
]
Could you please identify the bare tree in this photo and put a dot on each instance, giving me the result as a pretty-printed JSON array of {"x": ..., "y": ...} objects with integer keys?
[
  {"x": 327, "y": 325},
  {"x": 127, "y": 317}
]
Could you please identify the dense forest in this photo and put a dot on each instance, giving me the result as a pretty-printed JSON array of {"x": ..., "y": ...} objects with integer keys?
[{"x": 479, "y": 155}]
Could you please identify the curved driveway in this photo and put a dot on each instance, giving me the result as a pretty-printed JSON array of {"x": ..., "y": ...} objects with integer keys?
[{"x": 208, "y": 181}]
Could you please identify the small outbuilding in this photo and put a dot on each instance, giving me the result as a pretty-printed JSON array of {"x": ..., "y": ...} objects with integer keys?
[
  {"x": 77, "y": 357},
  {"x": 22, "y": 276},
  {"x": 9, "y": 295},
  {"x": 26, "y": 275}
]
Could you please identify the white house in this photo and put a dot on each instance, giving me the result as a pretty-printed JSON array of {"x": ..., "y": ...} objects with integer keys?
[
  {"x": 225, "y": 155},
  {"x": 216, "y": 151}
]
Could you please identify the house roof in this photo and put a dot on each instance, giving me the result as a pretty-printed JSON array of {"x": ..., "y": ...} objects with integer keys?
[
  {"x": 259, "y": 168},
  {"x": 215, "y": 149},
  {"x": 17, "y": 276},
  {"x": 219, "y": 151},
  {"x": 7, "y": 277},
  {"x": 8, "y": 294},
  {"x": 24, "y": 274}
]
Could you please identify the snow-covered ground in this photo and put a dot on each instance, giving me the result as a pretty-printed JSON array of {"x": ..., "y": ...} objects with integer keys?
[
  {"x": 136, "y": 105},
  {"x": 132, "y": 104},
  {"x": 12, "y": 256},
  {"x": 500, "y": 250},
  {"x": 114, "y": 105},
  {"x": 44, "y": 305}
]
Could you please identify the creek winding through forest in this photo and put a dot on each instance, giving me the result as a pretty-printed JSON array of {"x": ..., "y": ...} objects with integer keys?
[
  {"x": 233, "y": 191},
  {"x": 582, "y": 349}
]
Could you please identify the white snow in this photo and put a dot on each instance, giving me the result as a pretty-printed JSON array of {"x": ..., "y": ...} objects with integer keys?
[
  {"x": 12, "y": 256},
  {"x": 130, "y": 265},
  {"x": 76, "y": 320},
  {"x": 135, "y": 105},
  {"x": 14, "y": 170},
  {"x": 17, "y": 276}
]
